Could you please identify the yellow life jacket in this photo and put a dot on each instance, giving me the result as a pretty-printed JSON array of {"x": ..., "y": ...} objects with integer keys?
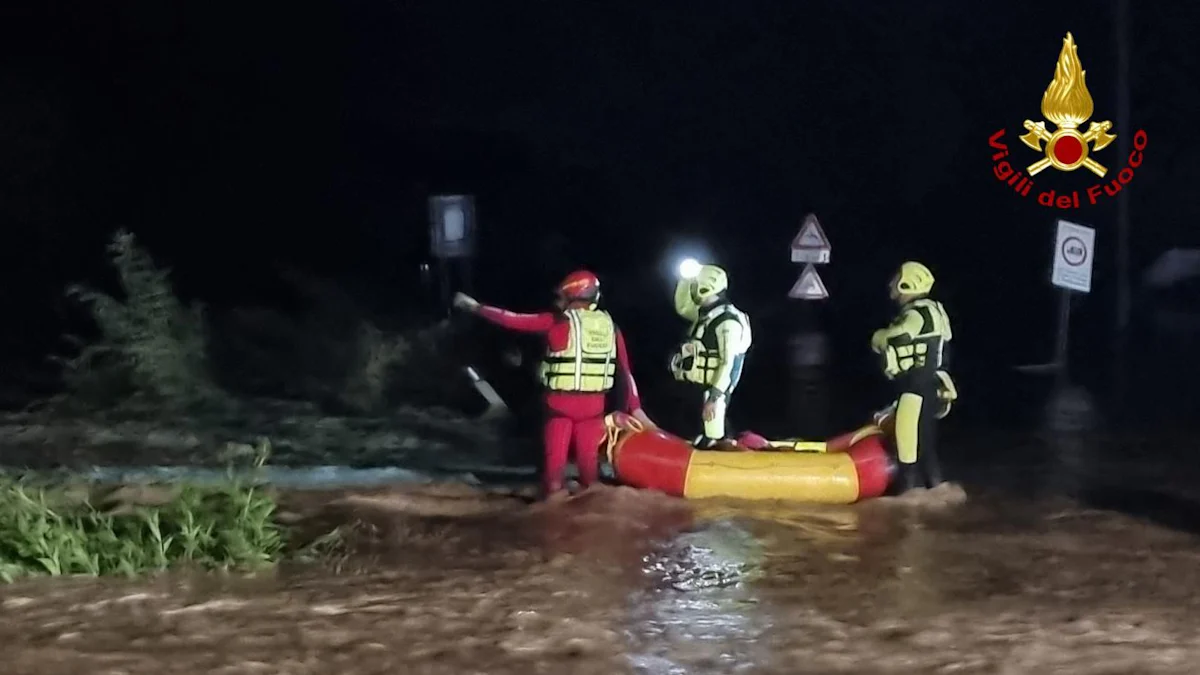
[
  {"x": 919, "y": 351},
  {"x": 589, "y": 362},
  {"x": 699, "y": 358}
]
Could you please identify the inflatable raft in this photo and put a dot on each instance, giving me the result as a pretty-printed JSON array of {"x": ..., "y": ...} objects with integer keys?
[{"x": 843, "y": 470}]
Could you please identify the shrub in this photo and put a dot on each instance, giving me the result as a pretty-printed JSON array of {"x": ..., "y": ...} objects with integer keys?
[
  {"x": 150, "y": 344},
  {"x": 153, "y": 349},
  {"x": 338, "y": 353},
  {"x": 431, "y": 373},
  {"x": 378, "y": 356}
]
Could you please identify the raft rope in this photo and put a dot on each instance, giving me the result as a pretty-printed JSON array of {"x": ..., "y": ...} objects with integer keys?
[{"x": 614, "y": 424}]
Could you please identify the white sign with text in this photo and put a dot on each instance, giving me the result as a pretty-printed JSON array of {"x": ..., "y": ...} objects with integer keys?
[{"x": 1074, "y": 256}]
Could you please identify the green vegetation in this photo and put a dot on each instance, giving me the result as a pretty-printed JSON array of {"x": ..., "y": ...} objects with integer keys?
[
  {"x": 154, "y": 353},
  {"x": 44, "y": 531},
  {"x": 57, "y": 530},
  {"x": 150, "y": 346},
  {"x": 157, "y": 379}
]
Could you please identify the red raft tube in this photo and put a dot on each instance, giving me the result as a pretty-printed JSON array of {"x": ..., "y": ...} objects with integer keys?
[{"x": 842, "y": 470}]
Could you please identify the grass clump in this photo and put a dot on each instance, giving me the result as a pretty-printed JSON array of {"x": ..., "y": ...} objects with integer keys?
[{"x": 53, "y": 530}]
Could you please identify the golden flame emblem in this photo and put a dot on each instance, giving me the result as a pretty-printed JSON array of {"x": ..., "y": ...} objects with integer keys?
[{"x": 1068, "y": 104}]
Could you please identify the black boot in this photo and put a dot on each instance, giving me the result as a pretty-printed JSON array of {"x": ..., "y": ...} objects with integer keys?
[
  {"x": 931, "y": 469},
  {"x": 933, "y": 474},
  {"x": 910, "y": 478}
]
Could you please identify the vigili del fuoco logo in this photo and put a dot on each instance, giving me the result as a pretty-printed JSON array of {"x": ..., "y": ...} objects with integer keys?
[{"x": 1067, "y": 105}]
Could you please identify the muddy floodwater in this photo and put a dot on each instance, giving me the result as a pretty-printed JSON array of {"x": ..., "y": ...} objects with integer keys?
[{"x": 459, "y": 580}]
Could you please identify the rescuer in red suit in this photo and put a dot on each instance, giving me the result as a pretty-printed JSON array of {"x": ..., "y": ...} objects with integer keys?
[{"x": 585, "y": 356}]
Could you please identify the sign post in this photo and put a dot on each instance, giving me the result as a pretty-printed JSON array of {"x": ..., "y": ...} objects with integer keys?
[
  {"x": 811, "y": 247},
  {"x": 1074, "y": 257},
  {"x": 1120, "y": 335},
  {"x": 452, "y": 237}
]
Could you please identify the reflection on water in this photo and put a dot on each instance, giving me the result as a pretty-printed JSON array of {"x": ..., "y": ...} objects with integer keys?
[
  {"x": 700, "y": 595},
  {"x": 1070, "y": 420},
  {"x": 717, "y": 556},
  {"x": 808, "y": 405},
  {"x": 1070, "y": 409},
  {"x": 460, "y": 580}
]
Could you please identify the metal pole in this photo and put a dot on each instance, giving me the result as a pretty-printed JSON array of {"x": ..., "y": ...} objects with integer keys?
[
  {"x": 468, "y": 262},
  {"x": 1064, "y": 331},
  {"x": 444, "y": 278},
  {"x": 1121, "y": 28}
]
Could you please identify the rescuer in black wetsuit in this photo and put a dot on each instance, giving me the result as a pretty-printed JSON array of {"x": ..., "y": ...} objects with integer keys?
[{"x": 914, "y": 354}]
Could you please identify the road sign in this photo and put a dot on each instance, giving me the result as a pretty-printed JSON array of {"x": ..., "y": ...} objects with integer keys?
[
  {"x": 1074, "y": 255},
  {"x": 809, "y": 286},
  {"x": 451, "y": 226},
  {"x": 811, "y": 245}
]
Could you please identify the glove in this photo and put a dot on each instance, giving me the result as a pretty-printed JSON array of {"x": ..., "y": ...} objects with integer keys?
[
  {"x": 682, "y": 361},
  {"x": 676, "y": 367},
  {"x": 946, "y": 389},
  {"x": 947, "y": 394},
  {"x": 878, "y": 341},
  {"x": 944, "y": 410},
  {"x": 465, "y": 303}
]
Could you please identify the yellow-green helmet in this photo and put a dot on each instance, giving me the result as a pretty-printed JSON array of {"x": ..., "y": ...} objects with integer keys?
[
  {"x": 711, "y": 281},
  {"x": 913, "y": 279}
]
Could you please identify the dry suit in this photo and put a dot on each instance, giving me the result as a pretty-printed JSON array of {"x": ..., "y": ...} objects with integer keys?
[
  {"x": 914, "y": 354},
  {"x": 714, "y": 353}
]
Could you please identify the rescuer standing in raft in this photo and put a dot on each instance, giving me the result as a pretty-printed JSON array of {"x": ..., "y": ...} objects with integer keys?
[
  {"x": 585, "y": 353},
  {"x": 914, "y": 351},
  {"x": 716, "y": 346}
]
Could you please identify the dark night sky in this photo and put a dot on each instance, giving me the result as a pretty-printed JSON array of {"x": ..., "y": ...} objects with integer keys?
[{"x": 235, "y": 136}]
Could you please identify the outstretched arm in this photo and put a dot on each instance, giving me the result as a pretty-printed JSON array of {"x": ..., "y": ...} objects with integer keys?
[{"x": 541, "y": 322}]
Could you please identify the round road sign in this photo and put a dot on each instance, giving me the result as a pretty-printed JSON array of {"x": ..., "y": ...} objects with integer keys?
[{"x": 1074, "y": 251}]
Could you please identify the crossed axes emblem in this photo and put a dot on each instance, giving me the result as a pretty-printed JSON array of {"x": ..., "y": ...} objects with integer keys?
[{"x": 1097, "y": 135}]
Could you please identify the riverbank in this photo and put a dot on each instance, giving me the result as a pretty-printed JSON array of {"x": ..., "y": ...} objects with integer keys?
[{"x": 299, "y": 434}]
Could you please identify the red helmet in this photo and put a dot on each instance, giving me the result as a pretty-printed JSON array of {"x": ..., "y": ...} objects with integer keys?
[{"x": 579, "y": 286}]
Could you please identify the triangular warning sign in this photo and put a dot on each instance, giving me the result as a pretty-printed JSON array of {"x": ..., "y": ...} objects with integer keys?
[
  {"x": 811, "y": 235},
  {"x": 809, "y": 286}
]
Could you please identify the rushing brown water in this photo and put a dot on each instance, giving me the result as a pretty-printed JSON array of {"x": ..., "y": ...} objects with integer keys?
[{"x": 456, "y": 580}]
